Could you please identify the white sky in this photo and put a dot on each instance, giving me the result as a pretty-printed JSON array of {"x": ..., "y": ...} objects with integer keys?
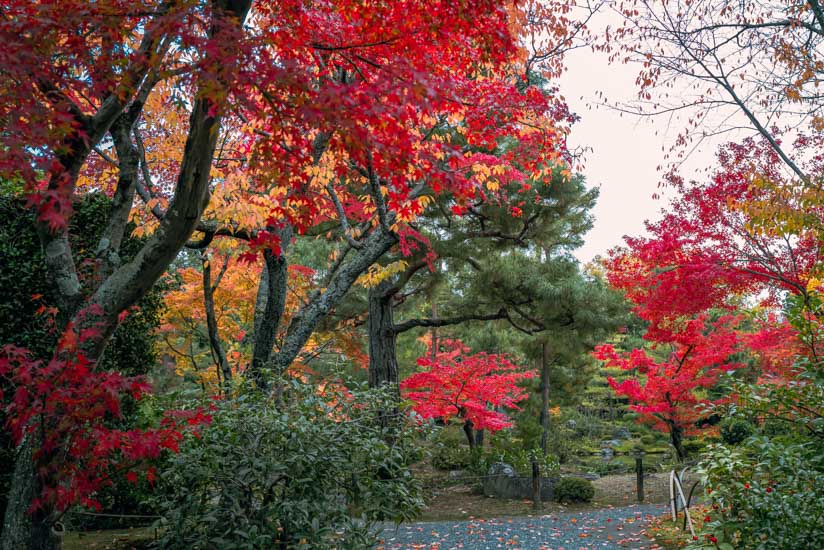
[{"x": 625, "y": 150}]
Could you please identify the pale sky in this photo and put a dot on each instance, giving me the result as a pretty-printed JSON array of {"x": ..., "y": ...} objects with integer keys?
[{"x": 625, "y": 150}]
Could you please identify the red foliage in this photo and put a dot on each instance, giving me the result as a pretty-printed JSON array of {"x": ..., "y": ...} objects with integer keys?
[
  {"x": 469, "y": 387},
  {"x": 405, "y": 95},
  {"x": 68, "y": 408},
  {"x": 667, "y": 392},
  {"x": 377, "y": 78},
  {"x": 705, "y": 249}
]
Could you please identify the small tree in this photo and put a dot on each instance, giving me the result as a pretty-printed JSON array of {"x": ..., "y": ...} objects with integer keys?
[
  {"x": 667, "y": 393},
  {"x": 471, "y": 388}
]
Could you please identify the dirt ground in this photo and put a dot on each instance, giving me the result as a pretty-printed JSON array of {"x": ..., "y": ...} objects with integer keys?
[{"x": 465, "y": 502}]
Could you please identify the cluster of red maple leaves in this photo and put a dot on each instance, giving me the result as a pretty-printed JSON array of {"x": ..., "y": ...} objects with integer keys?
[{"x": 473, "y": 388}]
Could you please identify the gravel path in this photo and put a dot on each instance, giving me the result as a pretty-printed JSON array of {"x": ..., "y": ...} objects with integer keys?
[{"x": 618, "y": 527}]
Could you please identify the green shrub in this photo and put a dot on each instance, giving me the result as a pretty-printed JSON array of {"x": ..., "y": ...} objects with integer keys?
[
  {"x": 649, "y": 439},
  {"x": 694, "y": 446},
  {"x": 451, "y": 457},
  {"x": 765, "y": 494},
  {"x": 314, "y": 472},
  {"x": 574, "y": 489},
  {"x": 735, "y": 431}
]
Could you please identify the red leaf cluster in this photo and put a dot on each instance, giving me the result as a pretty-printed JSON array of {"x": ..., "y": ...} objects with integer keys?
[
  {"x": 471, "y": 387},
  {"x": 67, "y": 408}
]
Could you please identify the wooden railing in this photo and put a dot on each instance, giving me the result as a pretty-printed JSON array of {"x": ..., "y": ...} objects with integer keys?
[{"x": 677, "y": 491}]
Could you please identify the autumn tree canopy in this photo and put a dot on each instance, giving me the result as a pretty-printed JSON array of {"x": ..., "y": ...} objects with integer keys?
[{"x": 324, "y": 113}]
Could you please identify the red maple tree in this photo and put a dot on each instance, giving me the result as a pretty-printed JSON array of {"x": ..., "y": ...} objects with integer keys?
[
  {"x": 470, "y": 387},
  {"x": 668, "y": 387},
  {"x": 713, "y": 242}
]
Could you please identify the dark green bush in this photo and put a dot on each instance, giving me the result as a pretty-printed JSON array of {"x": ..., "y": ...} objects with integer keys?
[
  {"x": 649, "y": 439},
  {"x": 694, "y": 446},
  {"x": 735, "y": 431},
  {"x": 574, "y": 489},
  {"x": 451, "y": 457},
  {"x": 314, "y": 472}
]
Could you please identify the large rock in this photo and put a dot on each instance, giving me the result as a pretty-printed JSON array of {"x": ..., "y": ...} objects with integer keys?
[
  {"x": 622, "y": 433},
  {"x": 503, "y": 482}
]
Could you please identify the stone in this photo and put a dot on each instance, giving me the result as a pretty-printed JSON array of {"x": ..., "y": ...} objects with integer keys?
[
  {"x": 501, "y": 469},
  {"x": 607, "y": 453},
  {"x": 610, "y": 443},
  {"x": 622, "y": 433},
  {"x": 456, "y": 474}
]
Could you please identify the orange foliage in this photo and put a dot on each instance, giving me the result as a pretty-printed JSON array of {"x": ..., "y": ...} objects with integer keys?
[{"x": 184, "y": 335}]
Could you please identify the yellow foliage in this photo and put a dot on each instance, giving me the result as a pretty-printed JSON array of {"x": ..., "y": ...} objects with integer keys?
[{"x": 376, "y": 274}]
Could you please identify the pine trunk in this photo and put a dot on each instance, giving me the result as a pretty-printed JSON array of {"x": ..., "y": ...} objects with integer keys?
[
  {"x": 544, "y": 398},
  {"x": 383, "y": 361}
]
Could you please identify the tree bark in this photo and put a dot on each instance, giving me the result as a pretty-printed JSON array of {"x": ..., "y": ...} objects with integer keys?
[
  {"x": 470, "y": 434},
  {"x": 307, "y": 318},
  {"x": 433, "y": 350},
  {"x": 677, "y": 440},
  {"x": 18, "y": 527},
  {"x": 209, "y": 289},
  {"x": 544, "y": 397},
  {"x": 269, "y": 307},
  {"x": 383, "y": 361},
  {"x": 536, "y": 486}
]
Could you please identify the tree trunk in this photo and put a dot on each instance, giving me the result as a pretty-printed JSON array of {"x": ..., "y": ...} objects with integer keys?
[
  {"x": 269, "y": 307},
  {"x": 383, "y": 361},
  {"x": 304, "y": 322},
  {"x": 677, "y": 439},
  {"x": 470, "y": 434},
  {"x": 211, "y": 320},
  {"x": 433, "y": 350},
  {"x": 17, "y": 527},
  {"x": 22, "y": 530},
  {"x": 536, "y": 486},
  {"x": 544, "y": 397}
]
